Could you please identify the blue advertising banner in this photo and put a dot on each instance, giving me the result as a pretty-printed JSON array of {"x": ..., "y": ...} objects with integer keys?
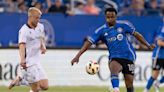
[{"x": 70, "y": 31}]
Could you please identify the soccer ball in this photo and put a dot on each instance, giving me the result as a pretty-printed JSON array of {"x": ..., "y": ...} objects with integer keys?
[{"x": 92, "y": 67}]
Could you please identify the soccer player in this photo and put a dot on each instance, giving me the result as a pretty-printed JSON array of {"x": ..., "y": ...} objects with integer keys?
[
  {"x": 121, "y": 53},
  {"x": 158, "y": 61},
  {"x": 31, "y": 44}
]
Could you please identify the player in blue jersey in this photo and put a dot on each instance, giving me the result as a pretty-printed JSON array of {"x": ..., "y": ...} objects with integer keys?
[
  {"x": 158, "y": 60},
  {"x": 121, "y": 53}
]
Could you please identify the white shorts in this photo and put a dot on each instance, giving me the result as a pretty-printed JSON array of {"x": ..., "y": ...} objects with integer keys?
[{"x": 35, "y": 73}]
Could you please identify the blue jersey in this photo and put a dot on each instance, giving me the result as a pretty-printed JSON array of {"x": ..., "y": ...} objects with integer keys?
[
  {"x": 158, "y": 52},
  {"x": 116, "y": 39}
]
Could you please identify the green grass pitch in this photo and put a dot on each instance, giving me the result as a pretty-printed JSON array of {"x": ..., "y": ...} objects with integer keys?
[{"x": 72, "y": 89}]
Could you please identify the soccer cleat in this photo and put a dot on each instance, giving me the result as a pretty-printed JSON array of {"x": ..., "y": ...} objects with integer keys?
[
  {"x": 113, "y": 90},
  {"x": 14, "y": 82},
  {"x": 116, "y": 90},
  {"x": 156, "y": 86}
]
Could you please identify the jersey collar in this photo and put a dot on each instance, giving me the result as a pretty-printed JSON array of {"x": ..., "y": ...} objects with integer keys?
[
  {"x": 28, "y": 25},
  {"x": 111, "y": 26}
]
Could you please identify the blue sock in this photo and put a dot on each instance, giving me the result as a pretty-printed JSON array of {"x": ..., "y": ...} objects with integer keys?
[
  {"x": 114, "y": 80},
  {"x": 150, "y": 83},
  {"x": 161, "y": 80}
]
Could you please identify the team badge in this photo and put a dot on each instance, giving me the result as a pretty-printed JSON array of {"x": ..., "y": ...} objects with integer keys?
[
  {"x": 105, "y": 34},
  {"x": 119, "y": 29}
]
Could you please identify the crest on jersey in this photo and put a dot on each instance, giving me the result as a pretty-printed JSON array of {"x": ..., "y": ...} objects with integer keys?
[
  {"x": 105, "y": 34},
  {"x": 119, "y": 37},
  {"x": 119, "y": 29}
]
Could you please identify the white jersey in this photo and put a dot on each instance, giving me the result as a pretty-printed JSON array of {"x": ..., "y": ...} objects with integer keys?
[{"x": 32, "y": 39}]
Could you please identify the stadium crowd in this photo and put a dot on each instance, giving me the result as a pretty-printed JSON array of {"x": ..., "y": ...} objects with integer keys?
[{"x": 91, "y": 7}]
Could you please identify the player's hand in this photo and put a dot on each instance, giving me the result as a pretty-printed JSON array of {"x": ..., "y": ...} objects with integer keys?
[
  {"x": 75, "y": 60},
  {"x": 23, "y": 64},
  {"x": 152, "y": 46},
  {"x": 43, "y": 50}
]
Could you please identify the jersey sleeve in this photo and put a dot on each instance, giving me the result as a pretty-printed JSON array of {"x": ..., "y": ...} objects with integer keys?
[
  {"x": 129, "y": 28},
  {"x": 161, "y": 35},
  {"x": 96, "y": 36},
  {"x": 42, "y": 31},
  {"x": 22, "y": 36}
]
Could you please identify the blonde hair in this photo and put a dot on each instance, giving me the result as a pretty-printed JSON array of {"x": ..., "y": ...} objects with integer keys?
[{"x": 33, "y": 9}]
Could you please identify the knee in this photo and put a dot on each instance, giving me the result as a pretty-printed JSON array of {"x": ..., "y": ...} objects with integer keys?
[
  {"x": 154, "y": 77},
  {"x": 115, "y": 68},
  {"x": 155, "y": 74},
  {"x": 44, "y": 87},
  {"x": 114, "y": 71}
]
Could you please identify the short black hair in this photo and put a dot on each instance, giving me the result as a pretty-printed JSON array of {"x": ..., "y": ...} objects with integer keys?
[{"x": 111, "y": 9}]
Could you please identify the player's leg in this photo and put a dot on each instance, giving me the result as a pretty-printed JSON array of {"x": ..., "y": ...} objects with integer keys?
[
  {"x": 129, "y": 82},
  {"x": 43, "y": 84},
  {"x": 34, "y": 87},
  {"x": 151, "y": 80},
  {"x": 128, "y": 71},
  {"x": 156, "y": 66},
  {"x": 14, "y": 82},
  {"x": 115, "y": 68},
  {"x": 157, "y": 83},
  {"x": 20, "y": 79},
  {"x": 162, "y": 77},
  {"x": 156, "y": 86},
  {"x": 32, "y": 78},
  {"x": 161, "y": 80},
  {"x": 43, "y": 80}
]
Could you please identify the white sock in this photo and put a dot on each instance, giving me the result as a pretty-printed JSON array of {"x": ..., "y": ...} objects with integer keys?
[
  {"x": 116, "y": 88},
  {"x": 146, "y": 90},
  {"x": 30, "y": 90}
]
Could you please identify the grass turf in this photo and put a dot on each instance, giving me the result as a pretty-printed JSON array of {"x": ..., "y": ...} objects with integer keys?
[{"x": 72, "y": 89}]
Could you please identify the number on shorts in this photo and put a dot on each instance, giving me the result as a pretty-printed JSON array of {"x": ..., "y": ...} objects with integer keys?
[{"x": 131, "y": 67}]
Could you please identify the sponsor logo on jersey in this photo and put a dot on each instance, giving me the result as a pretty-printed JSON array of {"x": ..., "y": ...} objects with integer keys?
[
  {"x": 112, "y": 39},
  {"x": 119, "y": 37},
  {"x": 105, "y": 34}
]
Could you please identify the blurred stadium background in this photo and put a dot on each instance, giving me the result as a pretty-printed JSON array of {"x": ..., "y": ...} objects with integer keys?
[{"x": 67, "y": 24}]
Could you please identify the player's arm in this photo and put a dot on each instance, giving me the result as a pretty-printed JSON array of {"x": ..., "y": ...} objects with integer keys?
[
  {"x": 43, "y": 46},
  {"x": 160, "y": 42},
  {"x": 140, "y": 38},
  {"x": 131, "y": 29},
  {"x": 22, "y": 51},
  {"x": 22, "y": 46},
  {"x": 160, "y": 38},
  {"x": 88, "y": 42},
  {"x": 43, "y": 41},
  {"x": 85, "y": 46}
]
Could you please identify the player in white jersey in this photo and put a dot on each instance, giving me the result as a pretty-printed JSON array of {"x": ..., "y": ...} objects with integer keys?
[{"x": 31, "y": 44}]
